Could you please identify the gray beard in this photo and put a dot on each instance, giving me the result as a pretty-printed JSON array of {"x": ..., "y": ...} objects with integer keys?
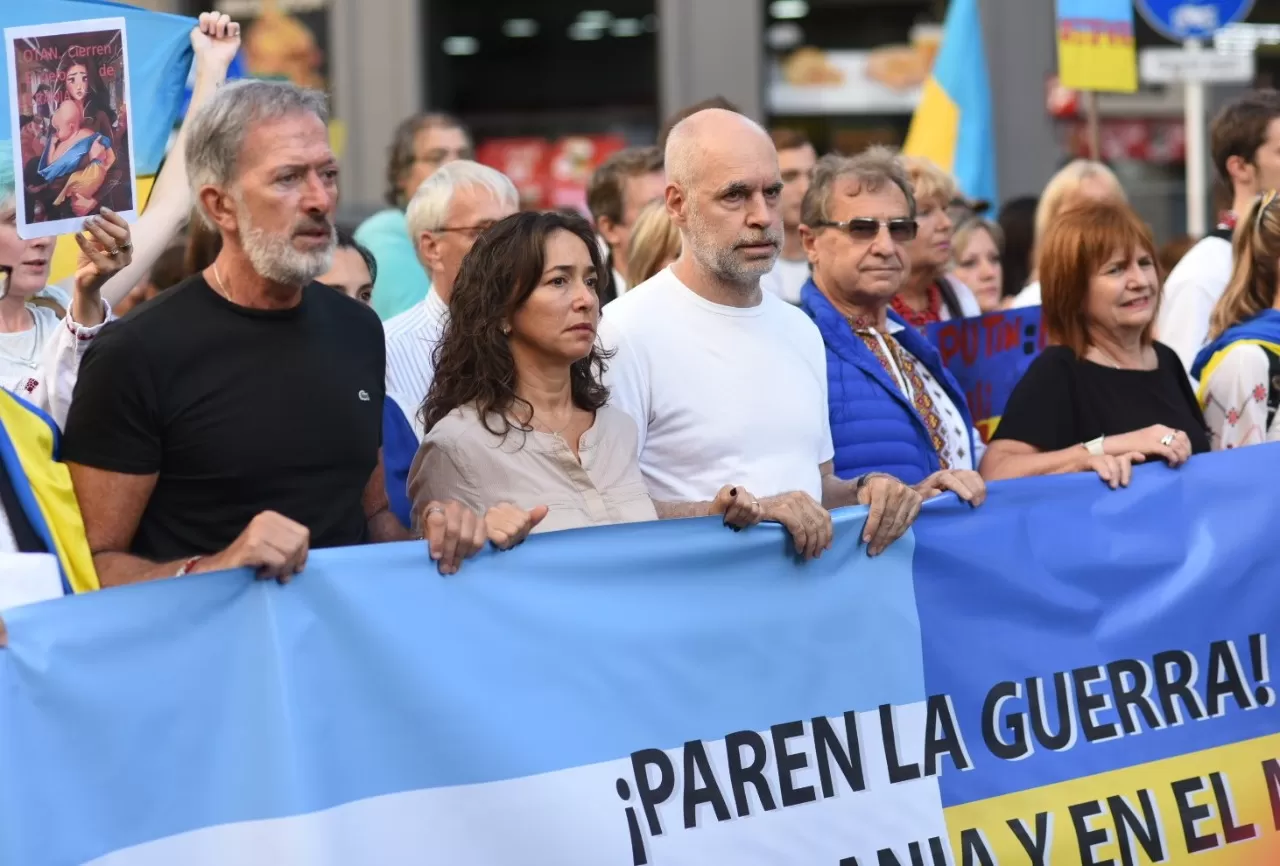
[
  {"x": 724, "y": 263},
  {"x": 274, "y": 258}
]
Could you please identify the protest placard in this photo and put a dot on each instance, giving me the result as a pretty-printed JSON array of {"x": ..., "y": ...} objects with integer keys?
[
  {"x": 988, "y": 355},
  {"x": 69, "y": 93}
]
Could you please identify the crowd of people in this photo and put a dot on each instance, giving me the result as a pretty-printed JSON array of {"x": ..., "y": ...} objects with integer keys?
[{"x": 736, "y": 332}]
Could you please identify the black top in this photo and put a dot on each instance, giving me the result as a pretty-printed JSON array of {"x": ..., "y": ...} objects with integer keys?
[
  {"x": 1063, "y": 401},
  {"x": 239, "y": 411}
]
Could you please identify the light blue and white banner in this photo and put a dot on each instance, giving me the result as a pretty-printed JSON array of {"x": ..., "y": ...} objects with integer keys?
[{"x": 1067, "y": 670}]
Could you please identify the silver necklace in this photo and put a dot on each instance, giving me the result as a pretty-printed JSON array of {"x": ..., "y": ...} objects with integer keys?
[
  {"x": 546, "y": 428},
  {"x": 221, "y": 289},
  {"x": 1111, "y": 359}
]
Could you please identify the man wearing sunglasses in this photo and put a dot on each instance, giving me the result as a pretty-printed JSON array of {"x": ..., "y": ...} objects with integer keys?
[
  {"x": 893, "y": 406},
  {"x": 726, "y": 381}
]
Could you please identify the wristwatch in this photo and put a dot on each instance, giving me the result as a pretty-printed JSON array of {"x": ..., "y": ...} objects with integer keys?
[{"x": 1094, "y": 446}]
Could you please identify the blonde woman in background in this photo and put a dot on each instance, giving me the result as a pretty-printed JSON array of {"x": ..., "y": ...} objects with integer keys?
[
  {"x": 654, "y": 244},
  {"x": 929, "y": 295},
  {"x": 1239, "y": 369},
  {"x": 1078, "y": 182},
  {"x": 976, "y": 255}
]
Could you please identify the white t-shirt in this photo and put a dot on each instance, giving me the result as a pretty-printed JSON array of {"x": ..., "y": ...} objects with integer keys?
[
  {"x": 1193, "y": 288},
  {"x": 721, "y": 395},
  {"x": 786, "y": 279},
  {"x": 1029, "y": 296}
]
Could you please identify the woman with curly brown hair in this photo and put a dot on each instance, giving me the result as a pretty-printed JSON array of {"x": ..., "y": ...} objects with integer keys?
[{"x": 517, "y": 413}]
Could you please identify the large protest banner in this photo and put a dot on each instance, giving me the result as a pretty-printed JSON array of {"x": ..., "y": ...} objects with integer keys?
[
  {"x": 988, "y": 355},
  {"x": 1066, "y": 675}
]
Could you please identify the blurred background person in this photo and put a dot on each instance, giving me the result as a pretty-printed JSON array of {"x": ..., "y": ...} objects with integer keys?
[
  {"x": 168, "y": 271},
  {"x": 1077, "y": 182},
  {"x": 796, "y": 158},
  {"x": 450, "y": 210},
  {"x": 1017, "y": 221},
  {"x": 1244, "y": 140},
  {"x": 1239, "y": 370},
  {"x": 354, "y": 269},
  {"x": 654, "y": 245},
  {"x": 1104, "y": 395},
  {"x": 421, "y": 145},
  {"x": 977, "y": 261},
  {"x": 619, "y": 189},
  {"x": 518, "y": 414},
  {"x": 1172, "y": 252},
  {"x": 928, "y": 294},
  {"x": 894, "y": 408}
]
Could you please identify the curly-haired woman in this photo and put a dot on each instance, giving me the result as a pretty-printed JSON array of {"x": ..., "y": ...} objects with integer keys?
[{"x": 517, "y": 415}]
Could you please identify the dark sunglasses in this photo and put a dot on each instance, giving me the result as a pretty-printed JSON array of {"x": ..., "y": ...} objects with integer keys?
[{"x": 866, "y": 228}]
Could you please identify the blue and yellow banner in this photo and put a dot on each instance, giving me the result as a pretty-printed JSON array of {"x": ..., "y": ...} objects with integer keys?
[
  {"x": 987, "y": 355},
  {"x": 1096, "y": 47},
  {"x": 1066, "y": 675}
]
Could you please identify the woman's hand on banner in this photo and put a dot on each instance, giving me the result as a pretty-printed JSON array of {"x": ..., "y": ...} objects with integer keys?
[
  {"x": 965, "y": 483},
  {"x": 508, "y": 525},
  {"x": 453, "y": 533},
  {"x": 1115, "y": 470},
  {"x": 807, "y": 521},
  {"x": 893, "y": 508}
]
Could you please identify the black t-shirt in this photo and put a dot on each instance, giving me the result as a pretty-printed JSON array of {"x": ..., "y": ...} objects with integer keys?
[
  {"x": 1063, "y": 401},
  {"x": 238, "y": 411}
]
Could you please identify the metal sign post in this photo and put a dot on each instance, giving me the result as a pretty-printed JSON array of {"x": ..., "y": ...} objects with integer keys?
[{"x": 1197, "y": 185}]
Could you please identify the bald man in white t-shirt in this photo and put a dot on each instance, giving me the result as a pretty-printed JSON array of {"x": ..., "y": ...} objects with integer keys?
[{"x": 724, "y": 380}]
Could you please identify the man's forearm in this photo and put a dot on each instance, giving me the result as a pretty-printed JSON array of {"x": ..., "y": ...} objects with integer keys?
[
  {"x": 675, "y": 510},
  {"x": 385, "y": 526},
  {"x": 838, "y": 492}
]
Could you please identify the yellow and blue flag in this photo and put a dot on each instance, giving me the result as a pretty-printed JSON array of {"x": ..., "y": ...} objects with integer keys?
[{"x": 952, "y": 125}]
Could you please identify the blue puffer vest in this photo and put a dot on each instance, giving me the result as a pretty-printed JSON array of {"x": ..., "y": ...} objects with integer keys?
[{"x": 873, "y": 426}]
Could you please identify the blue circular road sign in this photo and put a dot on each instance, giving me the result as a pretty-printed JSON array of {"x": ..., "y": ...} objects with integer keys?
[{"x": 1181, "y": 20}]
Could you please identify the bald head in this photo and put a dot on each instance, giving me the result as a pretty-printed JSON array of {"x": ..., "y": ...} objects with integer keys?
[
  {"x": 709, "y": 136},
  {"x": 723, "y": 187}
]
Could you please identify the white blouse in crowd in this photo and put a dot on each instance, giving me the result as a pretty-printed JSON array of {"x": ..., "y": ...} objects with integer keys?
[
  {"x": 461, "y": 459},
  {"x": 1235, "y": 399},
  {"x": 955, "y": 439},
  {"x": 1028, "y": 297},
  {"x": 41, "y": 364}
]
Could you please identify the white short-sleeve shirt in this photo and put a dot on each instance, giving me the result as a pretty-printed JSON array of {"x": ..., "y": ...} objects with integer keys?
[{"x": 721, "y": 395}]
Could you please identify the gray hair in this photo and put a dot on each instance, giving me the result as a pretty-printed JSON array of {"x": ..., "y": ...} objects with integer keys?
[
  {"x": 429, "y": 207},
  {"x": 873, "y": 170},
  {"x": 217, "y": 132}
]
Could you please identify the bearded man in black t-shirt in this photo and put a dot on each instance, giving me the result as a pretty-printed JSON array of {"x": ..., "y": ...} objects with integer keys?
[{"x": 236, "y": 419}]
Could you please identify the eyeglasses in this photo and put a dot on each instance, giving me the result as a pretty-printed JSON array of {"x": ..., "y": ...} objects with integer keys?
[
  {"x": 474, "y": 231},
  {"x": 866, "y": 228}
]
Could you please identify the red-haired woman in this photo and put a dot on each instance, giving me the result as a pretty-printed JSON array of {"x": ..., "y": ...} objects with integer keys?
[{"x": 1105, "y": 395}]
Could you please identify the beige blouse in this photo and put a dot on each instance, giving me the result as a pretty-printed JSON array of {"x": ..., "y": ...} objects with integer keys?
[{"x": 460, "y": 459}]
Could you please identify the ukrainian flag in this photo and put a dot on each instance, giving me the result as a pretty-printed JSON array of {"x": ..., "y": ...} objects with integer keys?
[{"x": 952, "y": 125}]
